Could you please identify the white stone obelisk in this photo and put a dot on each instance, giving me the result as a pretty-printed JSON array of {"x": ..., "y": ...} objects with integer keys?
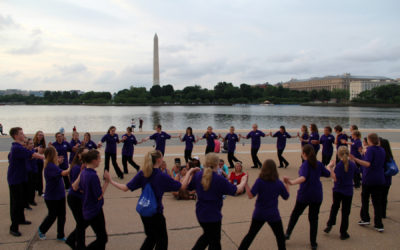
[{"x": 156, "y": 65}]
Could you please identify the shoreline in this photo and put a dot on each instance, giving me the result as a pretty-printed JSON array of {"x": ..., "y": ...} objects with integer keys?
[{"x": 366, "y": 105}]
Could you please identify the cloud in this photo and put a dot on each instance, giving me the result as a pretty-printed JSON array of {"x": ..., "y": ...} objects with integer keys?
[
  {"x": 7, "y": 22},
  {"x": 35, "y": 47},
  {"x": 71, "y": 69}
]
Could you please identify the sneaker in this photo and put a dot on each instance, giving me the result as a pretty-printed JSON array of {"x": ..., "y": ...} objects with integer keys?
[
  {"x": 379, "y": 229},
  {"x": 15, "y": 233},
  {"x": 27, "y": 222},
  {"x": 42, "y": 236},
  {"x": 280, "y": 166},
  {"x": 363, "y": 223},
  {"x": 328, "y": 229},
  {"x": 344, "y": 236},
  {"x": 63, "y": 239}
]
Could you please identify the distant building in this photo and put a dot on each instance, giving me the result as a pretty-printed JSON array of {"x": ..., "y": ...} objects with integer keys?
[
  {"x": 356, "y": 87},
  {"x": 330, "y": 82},
  {"x": 261, "y": 85}
]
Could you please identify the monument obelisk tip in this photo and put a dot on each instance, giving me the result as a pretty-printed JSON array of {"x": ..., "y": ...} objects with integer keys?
[{"x": 156, "y": 65}]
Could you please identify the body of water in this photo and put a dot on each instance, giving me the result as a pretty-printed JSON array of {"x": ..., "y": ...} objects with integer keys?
[{"x": 99, "y": 118}]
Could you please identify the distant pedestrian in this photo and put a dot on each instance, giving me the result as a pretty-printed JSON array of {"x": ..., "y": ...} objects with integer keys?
[
  {"x": 74, "y": 129},
  {"x": 140, "y": 124},
  {"x": 133, "y": 124},
  {"x": 1, "y": 129}
]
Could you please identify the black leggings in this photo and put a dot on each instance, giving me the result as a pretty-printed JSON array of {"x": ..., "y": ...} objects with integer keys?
[
  {"x": 385, "y": 200},
  {"x": 282, "y": 161},
  {"x": 155, "y": 229},
  {"x": 256, "y": 225},
  {"x": 39, "y": 181},
  {"x": 17, "y": 204},
  {"x": 114, "y": 162},
  {"x": 31, "y": 187},
  {"x": 210, "y": 149},
  {"x": 67, "y": 183},
  {"x": 77, "y": 237},
  {"x": 326, "y": 159},
  {"x": 211, "y": 236},
  {"x": 313, "y": 212},
  {"x": 125, "y": 160},
  {"x": 56, "y": 211},
  {"x": 375, "y": 192},
  {"x": 254, "y": 157},
  {"x": 231, "y": 159},
  {"x": 98, "y": 225},
  {"x": 346, "y": 207},
  {"x": 188, "y": 155}
]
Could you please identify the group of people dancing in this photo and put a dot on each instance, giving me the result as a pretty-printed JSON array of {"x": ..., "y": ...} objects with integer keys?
[{"x": 208, "y": 183}]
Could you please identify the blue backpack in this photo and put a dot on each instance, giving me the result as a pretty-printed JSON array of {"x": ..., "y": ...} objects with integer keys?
[{"x": 147, "y": 203}]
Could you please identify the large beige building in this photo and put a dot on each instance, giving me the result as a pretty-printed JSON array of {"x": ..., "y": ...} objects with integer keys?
[
  {"x": 356, "y": 87},
  {"x": 330, "y": 82}
]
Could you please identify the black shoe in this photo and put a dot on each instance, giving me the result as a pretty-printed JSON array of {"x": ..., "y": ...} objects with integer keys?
[
  {"x": 344, "y": 236},
  {"x": 231, "y": 167},
  {"x": 254, "y": 167},
  {"x": 70, "y": 243},
  {"x": 33, "y": 203},
  {"x": 280, "y": 166},
  {"x": 328, "y": 229},
  {"x": 121, "y": 177},
  {"x": 27, "y": 222},
  {"x": 314, "y": 247},
  {"x": 287, "y": 236},
  {"x": 287, "y": 164},
  {"x": 15, "y": 233}
]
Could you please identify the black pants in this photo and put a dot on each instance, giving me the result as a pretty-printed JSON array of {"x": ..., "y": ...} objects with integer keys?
[
  {"x": 26, "y": 194},
  {"x": 282, "y": 161},
  {"x": 210, "y": 149},
  {"x": 188, "y": 155},
  {"x": 39, "y": 181},
  {"x": 155, "y": 229},
  {"x": 339, "y": 198},
  {"x": 313, "y": 212},
  {"x": 125, "y": 160},
  {"x": 67, "y": 183},
  {"x": 98, "y": 224},
  {"x": 114, "y": 163},
  {"x": 326, "y": 159},
  {"x": 231, "y": 159},
  {"x": 56, "y": 211},
  {"x": 77, "y": 237},
  {"x": 256, "y": 225},
  {"x": 31, "y": 187},
  {"x": 17, "y": 204},
  {"x": 376, "y": 193},
  {"x": 385, "y": 194},
  {"x": 210, "y": 238},
  {"x": 254, "y": 157}
]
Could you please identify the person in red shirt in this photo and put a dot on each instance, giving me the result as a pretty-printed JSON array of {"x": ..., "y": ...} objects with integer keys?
[{"x": 236, "y": 176}]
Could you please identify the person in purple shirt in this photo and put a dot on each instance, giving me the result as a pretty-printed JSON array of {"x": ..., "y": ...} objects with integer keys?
[
  {"x": 31, "y": 170},
  {"x": 210, "y": 189},
  {"x": 340, "y": 139},
  {"x": 93, "y": 198},
  {"x": 267, "y": 188},
  {"x": 16, "y": 177},
  {"x": 54, "y": 195},
  {"x": 160, "y": 138},
  {"x": 189, "y": 139},
  {"x": 313, "y": 139},
  {"x": 231, "y": 138},
  {"x": 75, "y": 144},
  {"x": 87, "y": 142},
  {"x": 255, "y": 136},
  {"x": 210, "y": 136},
  {"x": 111, "y": 138},
  {"x": 327, "y": 140},
  {"x": 388, "y": 178},
  {"x": 304, "y": 135},
  {"x": 342, "y": 175},
  {"x": 356, "y": 148},
  {"x": 309, "y": 194},
  {"x": 129, "y": 140},
  {"x": 39, "y": 142},
  {"x": 76, "y": 239},
  {"x": 281, "y": 136},
  {"x": 63, "y": 147},
  {"x": 155, "y": 226},
  {"x": 373, "y": 181}
]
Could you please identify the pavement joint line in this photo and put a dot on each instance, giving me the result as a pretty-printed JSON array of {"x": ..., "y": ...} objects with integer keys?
[
  {"x": 14, "y": 242},
  {"x": 236, "y": 246}
]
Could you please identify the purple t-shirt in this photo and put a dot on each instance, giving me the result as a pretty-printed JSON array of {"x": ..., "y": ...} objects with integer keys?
[
  {"x": 72, "y": 154},
  {"x": 111, "y": 141},
  {"x": 266, "y": 208},
  {"x": 311, "y": 189},
  {"x": 374, "y": 174},
  {"x": 209, "y": 203},
  {"x": 73, "y": 175},
  {"x": 90, "y": 145},
  {"x": 344, "y": 180},
  {"x": 314, "y": 136},
  {"x": 210, "y": 139},
  {"x": 327, "y": 144},
  {"x": 188, "y": 139},
  {"x": 160, "y": 139},
  {"x": 305, "y": 136},
  {"x": 231, "y": 139},
  {"x": 281, "y": 141},
  {"x": 62, "y": 150},
  {"x": 339, "y": 139},
  {"x": 92, "y": 191},
  {"x": 54, "y": 183},
  {"x": 255, "y": 138},
  {"x": 354, "y": 148},
  {"x": 128, "y": 148},
  {"x": 17, "y": 159},
  {"x": 159, "y": 182}
]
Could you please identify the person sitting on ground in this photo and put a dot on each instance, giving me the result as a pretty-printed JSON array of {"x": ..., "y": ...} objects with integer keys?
[
  {"x": 164, "y": 168},
  {"x": 222, "y": 169},
  {"x": 183, "y": 194},
  {"x": 235, "y": 177},
  {"x": 176, "y": 168}
]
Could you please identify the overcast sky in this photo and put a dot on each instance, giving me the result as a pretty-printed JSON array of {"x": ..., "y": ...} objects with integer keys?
[{"x": 108, "y": 44}]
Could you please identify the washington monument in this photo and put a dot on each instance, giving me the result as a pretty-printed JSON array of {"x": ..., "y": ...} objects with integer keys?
[{"x": 156, "y": 65}]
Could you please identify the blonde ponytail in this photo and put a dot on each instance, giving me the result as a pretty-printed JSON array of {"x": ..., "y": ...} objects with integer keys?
[
  {"x": 343, "y": 153},
  {"x": 149, "y": 160},
  {"x": 209, "y": 166}
]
